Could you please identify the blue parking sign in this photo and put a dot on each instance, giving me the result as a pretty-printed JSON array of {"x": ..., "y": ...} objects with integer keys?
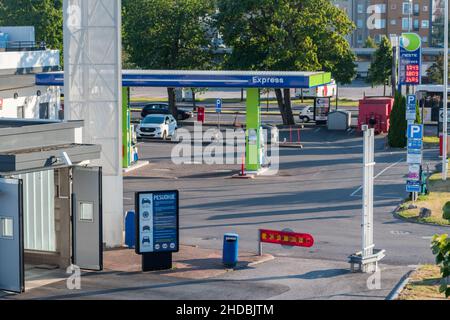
[
  {"x": 415, "y": 131},
  {"x": 218, "y": 105}
]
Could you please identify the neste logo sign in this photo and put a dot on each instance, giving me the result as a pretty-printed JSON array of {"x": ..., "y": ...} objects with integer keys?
[{"x": 267, "y": 80}]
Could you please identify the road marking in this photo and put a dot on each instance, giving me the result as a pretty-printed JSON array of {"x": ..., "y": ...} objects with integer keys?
[
  {"x": 379, "y": 174},
  {"x": 427, "y": 238},
  {"x": 317, "y": 130}
]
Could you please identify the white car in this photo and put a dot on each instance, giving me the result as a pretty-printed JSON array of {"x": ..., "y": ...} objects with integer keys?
[
  {"x": 157, "y": 126},
  {"x": 307, "y": 114}
]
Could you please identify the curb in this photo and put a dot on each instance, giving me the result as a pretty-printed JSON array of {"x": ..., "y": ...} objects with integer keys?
[
  {"x": 399, "y": 217},
  {"x": 394, "y": 294},
  {"x": 268, "y": 258}
]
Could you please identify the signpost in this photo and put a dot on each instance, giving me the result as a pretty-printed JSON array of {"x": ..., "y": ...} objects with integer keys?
[
  {"x": 411, "y": 102},
  {"x": 414, "y": 158},
  {"x": 284, "y": 238},
  {"x": 157, "y": 228},
  {"x": 218, "y": 110},
  {"x": 410, "y": 59}
]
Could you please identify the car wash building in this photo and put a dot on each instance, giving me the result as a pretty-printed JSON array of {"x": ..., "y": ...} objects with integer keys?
[{"x": 50, "y": 199}]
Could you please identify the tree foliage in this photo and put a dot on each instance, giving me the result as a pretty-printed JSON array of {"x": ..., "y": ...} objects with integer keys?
[
  {"x": 45, "y": 15},
  {"x": 167, "y": 34},
  {"x": 397, "y": 129},
  {"x": 288, "y": 35},
  {"x": 380, "y": 69},
  {"x": 435, "y": 72},
  {"x": 370, "y": 43}
]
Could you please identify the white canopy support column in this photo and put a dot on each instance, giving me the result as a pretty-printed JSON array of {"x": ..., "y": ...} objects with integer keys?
[{"x": 92, "y": 89}]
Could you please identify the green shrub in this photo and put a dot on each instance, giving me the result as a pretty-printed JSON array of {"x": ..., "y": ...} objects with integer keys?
[
  {"x": 441, "y": 249},
  {"x": 397, "y": 129},
  {"x": 446, "y": 211}
]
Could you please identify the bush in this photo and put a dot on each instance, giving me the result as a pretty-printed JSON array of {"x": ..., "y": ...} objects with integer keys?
[
  {"x": 441, "y": 249},
  {"x": 446, "y": 211},
  {"x": 397, "y": 129}
]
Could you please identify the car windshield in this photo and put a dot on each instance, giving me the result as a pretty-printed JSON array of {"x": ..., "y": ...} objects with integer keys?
[{"x": 153, "y": 120}]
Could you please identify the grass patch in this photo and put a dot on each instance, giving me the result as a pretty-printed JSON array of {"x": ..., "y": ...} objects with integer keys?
[
  {"x": 424, "y": 285},
  {"x": 431, "y": 141},
  {"x": 435, "y": 201}
]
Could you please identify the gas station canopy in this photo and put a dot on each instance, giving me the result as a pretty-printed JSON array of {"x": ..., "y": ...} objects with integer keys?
[{"x": 207, "y": 79}]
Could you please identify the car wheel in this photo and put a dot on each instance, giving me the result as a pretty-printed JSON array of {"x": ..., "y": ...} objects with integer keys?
[
  {"x": 302, "y": 118},
  {"x": 306, "y": 119}
]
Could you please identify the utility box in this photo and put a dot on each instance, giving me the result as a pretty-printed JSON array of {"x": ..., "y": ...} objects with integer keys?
[
  {"x": 375, "y": 112},
  {"x": 339, "y": 120}
]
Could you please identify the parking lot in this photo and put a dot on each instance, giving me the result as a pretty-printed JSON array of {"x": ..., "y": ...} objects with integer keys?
[{"x": 317, "y": 190}]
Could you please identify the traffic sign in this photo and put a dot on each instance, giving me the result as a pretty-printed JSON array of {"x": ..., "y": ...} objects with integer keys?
[
  {"x": 218, "y": 105},
  {"x": 411, "y": 102},
  {"x": 412, "y": 186},
  {"x": 285, "y": 238},
  {"x": 441, "y": 115},
  {"x": 415, "y": 131}
]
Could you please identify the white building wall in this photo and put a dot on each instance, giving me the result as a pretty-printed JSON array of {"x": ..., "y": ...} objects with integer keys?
[
  {"x": 15, "y": 60},
  {"x": 27, "y": 97}
]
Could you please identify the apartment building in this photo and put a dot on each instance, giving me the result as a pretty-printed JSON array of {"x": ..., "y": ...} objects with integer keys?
[{"x": 378, "y": 18}]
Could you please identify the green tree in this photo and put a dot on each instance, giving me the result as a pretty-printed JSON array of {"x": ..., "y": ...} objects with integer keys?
[
  {"x": 397, "y": 129},
  {"x": 435, "y": 72},
  {"x": 167, "y": 34},
  {"x": 380, "y": 69},
  {"x": 45, "y": 15},
  {"x": 370, "y": 43},
  {"x": 287, "y": 35}
]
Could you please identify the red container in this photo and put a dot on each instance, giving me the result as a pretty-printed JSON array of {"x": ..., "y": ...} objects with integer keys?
[
  {"x": 375, "y": 113},
  {"x": 201, "y": 114}
]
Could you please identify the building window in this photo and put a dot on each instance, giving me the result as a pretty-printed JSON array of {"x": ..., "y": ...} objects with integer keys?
[
  {"x": 424, "y": 39},
  {"x": 425, "y": 24},
  {"x": 407, "y": 9},
  {"x": 425, "y": 8},
  {"x": 360, "y": 8},
  {"x": 381, "y": 8},
  {"x": 393, "y": 22},
  {"x": 393, "y": 6},
  {"x": 416, "y": 24},
  {"x": 416, "y": 8},
  {"x": 359, "y": 38},
  {"x": 405, "y": 23},
  {"x": 380, "y": 23},
  {"x": 6, "y": 227},
  {"x": 359, "y": 23},
  {"x": 378, "y": 38}
]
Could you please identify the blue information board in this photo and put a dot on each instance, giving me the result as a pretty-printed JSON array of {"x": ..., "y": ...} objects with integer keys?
[
  {"x": 157, "y": 221},
  {"x": 412, "y": 186}
]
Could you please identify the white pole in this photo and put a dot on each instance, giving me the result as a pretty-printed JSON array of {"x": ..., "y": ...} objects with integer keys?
[{"x": 445, "y": 94}]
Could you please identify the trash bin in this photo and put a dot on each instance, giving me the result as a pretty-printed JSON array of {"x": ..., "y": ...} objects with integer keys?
[
  {"x": 230, "y": 249},
  {"x": 130, "y": 230}
]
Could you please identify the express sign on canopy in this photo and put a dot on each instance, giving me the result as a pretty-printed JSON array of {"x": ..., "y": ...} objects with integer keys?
[{"x": 410, "y": 59}]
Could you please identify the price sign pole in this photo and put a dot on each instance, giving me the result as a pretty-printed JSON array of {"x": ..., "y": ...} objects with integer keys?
[
  {"x": 445, "y": 95},
  {"x": 218, "y": 110}
]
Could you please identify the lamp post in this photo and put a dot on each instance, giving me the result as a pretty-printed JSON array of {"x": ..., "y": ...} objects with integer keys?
[{"x": 445, "y": 94}]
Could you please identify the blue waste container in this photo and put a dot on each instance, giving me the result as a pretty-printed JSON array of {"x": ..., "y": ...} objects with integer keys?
[
  {"x": 130, "y": 230},
  {"x": 230, "y": 249}
]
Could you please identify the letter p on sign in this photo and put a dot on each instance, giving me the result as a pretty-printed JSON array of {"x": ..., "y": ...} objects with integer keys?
[
  {"x": 415, "y": 131},
  {"x": 412, "y": 99}
]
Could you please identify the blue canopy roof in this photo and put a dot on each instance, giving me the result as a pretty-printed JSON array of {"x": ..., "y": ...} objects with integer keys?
[{"x": 206, "y": 79}]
